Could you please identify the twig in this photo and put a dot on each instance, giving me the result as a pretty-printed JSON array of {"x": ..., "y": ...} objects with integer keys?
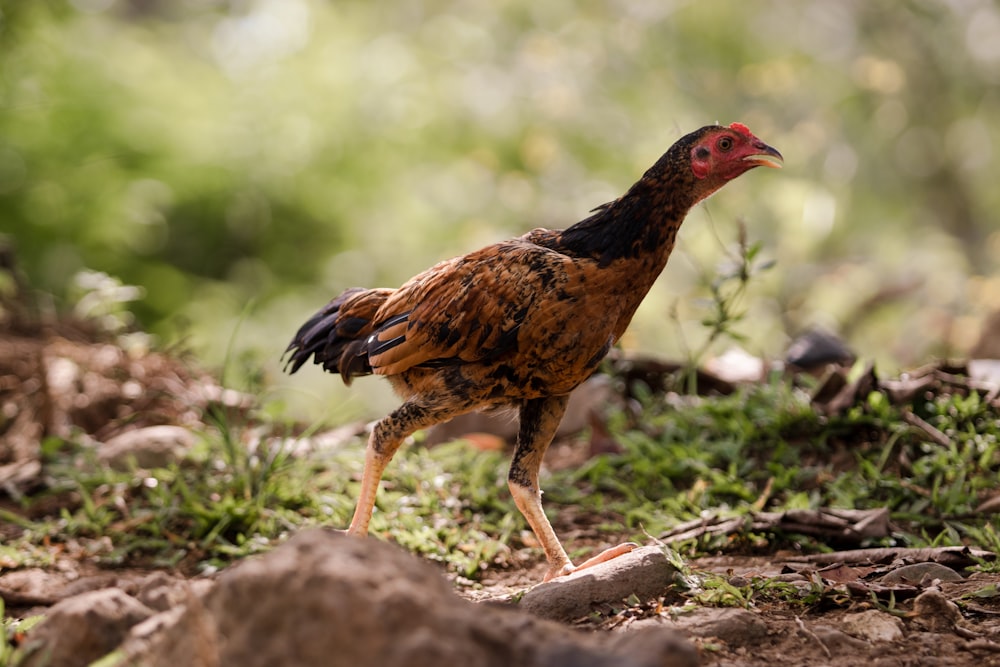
[
  {"x": 812, "y": 635},
  {"x": 702, "y": 527},
  {"x": 765, "y": 495},
  {"x": 966, "y": 633},
  {"x": 840, "y": 523},
  {"x": 979, "y": 609},
  {"x": 951, "y": 556},
  {"x": 982, "y": 645},
  {"x": 931, "y": 431}
]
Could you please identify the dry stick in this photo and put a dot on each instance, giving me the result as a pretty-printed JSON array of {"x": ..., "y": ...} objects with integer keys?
[
  {"x": 837, "y": 522},
  {"x": 932, "y": 432},
  {"x": 701, "y": 527},
  {"x": 982, "y": 645},
  {"x": 812, "y": 635},
  {"x": 979, "y": 609},
  {"x": 765, "y": 495},
  {"x": 966, "y": 633},
  {"x": 887, "y": 554}
]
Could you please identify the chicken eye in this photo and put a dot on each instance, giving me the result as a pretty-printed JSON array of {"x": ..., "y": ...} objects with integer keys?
[{"x": 725, "y": 143}]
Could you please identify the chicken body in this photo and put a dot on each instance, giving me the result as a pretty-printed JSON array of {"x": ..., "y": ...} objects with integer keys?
[{"x": 522, "y": 322}]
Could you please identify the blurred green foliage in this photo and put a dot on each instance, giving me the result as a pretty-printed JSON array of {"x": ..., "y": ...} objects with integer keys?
[{"x": 218, "y": 153}]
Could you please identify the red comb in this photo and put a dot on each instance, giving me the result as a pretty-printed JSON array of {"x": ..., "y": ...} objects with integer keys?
[{"x": 741, "y": 128}]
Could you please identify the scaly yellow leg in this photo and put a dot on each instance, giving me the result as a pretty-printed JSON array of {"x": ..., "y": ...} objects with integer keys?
[
  {"x": 387, "y": 435},
  {"x": 539, "y": 420}
]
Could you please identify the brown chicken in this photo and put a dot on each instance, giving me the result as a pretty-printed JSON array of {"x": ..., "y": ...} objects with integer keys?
[{"x": 522, "y": 322}]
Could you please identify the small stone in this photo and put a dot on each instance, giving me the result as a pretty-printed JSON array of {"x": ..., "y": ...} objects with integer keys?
[
  {"x": 644, "y": 572},
  {"x": 161, "y": 592},
  {"x": 659, "y": 646},
  {"x": 735, "y": 627},
  {"x": 933, "y": 612},
  {"x": 920, "y": 574},
  {"x": 873, "y": 625},
  {"x": 32, "y": 586},
  {"x": 83, "y": 628}
]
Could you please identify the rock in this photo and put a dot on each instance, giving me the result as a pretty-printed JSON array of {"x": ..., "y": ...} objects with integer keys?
[
  {"x": 183, "y": 635},
  {"x": 986, "y": 371},
  {"x": 19, "y": 474},
  {"x": 933, "y": 612},
  {"x": 645, "y": 572},
  {"x": 162, "y": 592},
  {"x": 920, "y": 574},
  {"x": 873, "y": 625},
  {"x": 736, "y": 366},
  {"x": 814, "y": 349},
  {"x": 32, "y": 586},
  {"x": 662, "y": 647},
  {"x": 324, "y": 598},
  {"x": 735, "y": 627},
  {"x": 150, "y": 447},
  {"x": 83, "y": 628},
  {"x": 837, "y": 642}
]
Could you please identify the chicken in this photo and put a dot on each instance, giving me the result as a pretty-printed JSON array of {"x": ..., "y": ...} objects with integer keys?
[{"x": 520, "y": 323}]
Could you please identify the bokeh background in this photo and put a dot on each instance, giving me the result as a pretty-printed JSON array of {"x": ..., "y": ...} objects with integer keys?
[{"x": 243, "y": 161}]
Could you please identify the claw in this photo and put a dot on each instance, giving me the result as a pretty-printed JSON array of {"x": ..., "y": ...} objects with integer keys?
[
  {"x": 558, "y": 571},
  {"x": 603, "y": 557}
]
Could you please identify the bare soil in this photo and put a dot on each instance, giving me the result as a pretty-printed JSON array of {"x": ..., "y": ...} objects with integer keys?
[{"x": 922, "y": 622}]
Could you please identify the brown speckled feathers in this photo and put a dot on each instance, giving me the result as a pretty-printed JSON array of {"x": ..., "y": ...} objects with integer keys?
[{"x": 527, "y": 317}]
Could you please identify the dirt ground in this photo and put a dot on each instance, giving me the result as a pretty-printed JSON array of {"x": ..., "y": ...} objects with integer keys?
[{"x": 894, "y": 624}]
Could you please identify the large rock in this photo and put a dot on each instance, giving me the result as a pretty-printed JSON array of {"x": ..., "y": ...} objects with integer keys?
[{"x": 327, "y": 599}]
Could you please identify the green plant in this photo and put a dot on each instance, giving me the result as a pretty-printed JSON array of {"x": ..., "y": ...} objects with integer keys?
[
  {"x": 10, "y": 628},
  {"x": 727, "y": 287},
  {"x": 764, "y": 447}
]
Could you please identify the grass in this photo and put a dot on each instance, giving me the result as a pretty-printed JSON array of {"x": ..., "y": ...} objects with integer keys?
[
  {"x": 235, "y": 494},
  {"x": 765, "y": 443},
  {"x": 764, "y": 447},
  {"x": 11, "y": 632}
]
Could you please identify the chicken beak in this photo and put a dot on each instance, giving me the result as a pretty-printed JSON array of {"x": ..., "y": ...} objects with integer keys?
[{"x": 764, "y": 156}]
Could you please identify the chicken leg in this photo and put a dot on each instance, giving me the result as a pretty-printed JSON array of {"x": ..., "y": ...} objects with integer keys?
[
  {"x": 539, "y": 420},
  {"x": 386, "y": 437}
]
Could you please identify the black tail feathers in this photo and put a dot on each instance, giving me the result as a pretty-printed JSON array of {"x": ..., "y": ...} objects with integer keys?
[{"x": 330, "y": 337}]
